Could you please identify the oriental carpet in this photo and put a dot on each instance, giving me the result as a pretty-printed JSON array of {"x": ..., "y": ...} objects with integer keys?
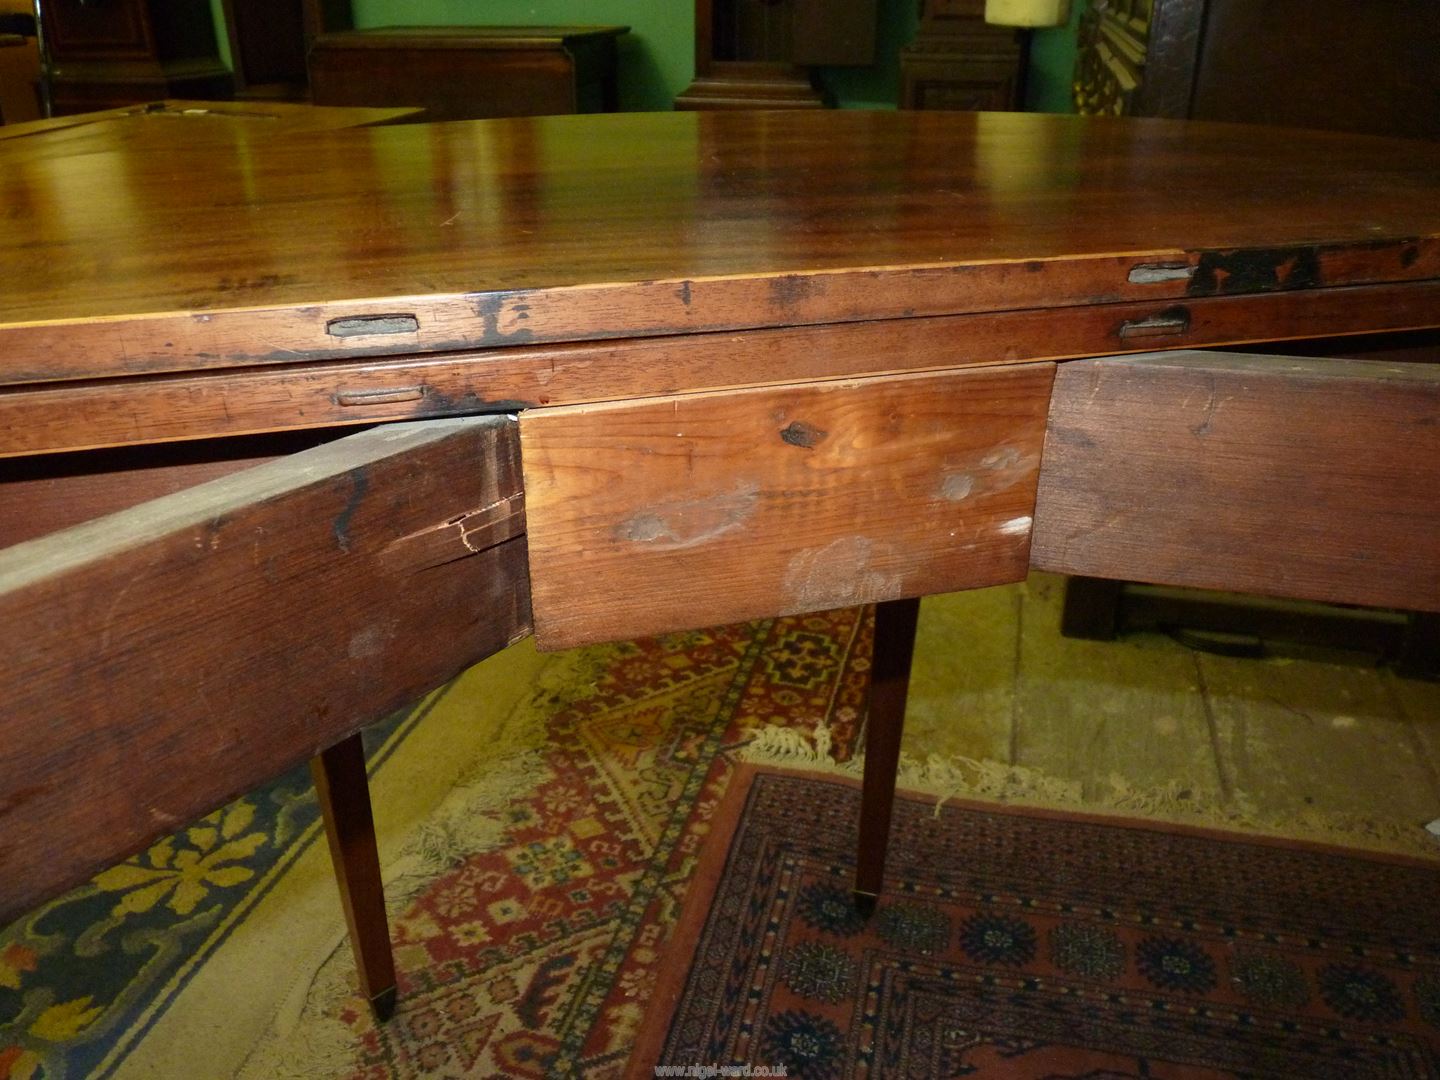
[
  {"x": 527, "y": 907},
  {"x": 540, "y": 821},
  {"x": 1029, "y": 945}
]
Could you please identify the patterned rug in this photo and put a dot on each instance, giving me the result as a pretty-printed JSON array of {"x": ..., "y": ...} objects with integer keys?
[
  {"x": 1025, "y": 944},
  {"x": 84, "y": 976},
  {"x": 540, "y": 819},
  {"x": 527, "y": 911}
]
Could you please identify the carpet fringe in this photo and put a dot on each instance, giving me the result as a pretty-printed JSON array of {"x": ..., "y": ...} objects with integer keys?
[
  {"x": 961, "y": 777},
  {"x": 306, "y": 1040}
]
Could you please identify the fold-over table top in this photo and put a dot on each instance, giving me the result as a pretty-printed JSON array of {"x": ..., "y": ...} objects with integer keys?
[{"x": 437, "y": 238}]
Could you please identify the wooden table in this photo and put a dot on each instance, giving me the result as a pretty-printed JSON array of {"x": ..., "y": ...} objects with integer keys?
[
  {"x": 172, "y": 125},
  {"x": 663, "y": 371}
]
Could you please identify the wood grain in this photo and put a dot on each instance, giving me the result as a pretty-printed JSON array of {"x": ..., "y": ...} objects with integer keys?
[
  {"x": 499, "y": 233},
  {"x": 1306, "y": 478},
  {"x": 110, "y": 412},
  {"x": 45, "y": 493},
  {"x": 689, "y": 511},
  {"x": 163, "y": 659},
  {"x": 165, "y": 125}
]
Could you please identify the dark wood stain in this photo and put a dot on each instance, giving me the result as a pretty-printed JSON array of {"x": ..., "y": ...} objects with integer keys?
[
  {"x": 1249, "y": 270},
  {"x": 488, "y": 308},
  {"x": 358, "y": 483}
]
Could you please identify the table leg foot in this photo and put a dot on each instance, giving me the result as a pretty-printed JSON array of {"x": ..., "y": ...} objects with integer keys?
[
  {"x": 344, "y": 793},
  {"x": 864, "y": 902},
  {"x": 889, "y": 683},
  {"x": 383, "y": 1004},
  {"x": 1092, "y": 608}
]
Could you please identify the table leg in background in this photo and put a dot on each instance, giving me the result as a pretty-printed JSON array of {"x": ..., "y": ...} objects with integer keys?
[{"x": 889, "y": 683}]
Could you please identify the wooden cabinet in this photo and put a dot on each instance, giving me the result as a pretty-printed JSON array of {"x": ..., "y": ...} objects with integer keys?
[
  {"x": 469, "y": 72},
  {"x": 959, "y": 61},
  {"x": 268, "y": 41},
  {"x": 19, "y": 72},
  {"x": 755, "y": 54},
  {"x": 119, "y": 52},
  {"x": 1336, "y": 64}
]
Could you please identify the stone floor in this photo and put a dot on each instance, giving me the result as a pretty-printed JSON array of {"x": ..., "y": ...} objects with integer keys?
[{"x": 1275, "y": 737}]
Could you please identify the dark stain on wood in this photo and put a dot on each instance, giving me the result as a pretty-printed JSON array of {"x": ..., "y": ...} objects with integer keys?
[
  {"x": 1204, "y": 427},
  {"x": 684, "y": 293},
  {"x": 21, "y": 796},
  {"x": 471, "y": 402},
  {"x": 489, "y": 306},
  {"x": 801, "y": 434},
  {"x": 260, "y": 283},
  {"x": 1248, "y": 270},
  {"x": 342, "y": 520},
  {"x": 790, "y": 289}
]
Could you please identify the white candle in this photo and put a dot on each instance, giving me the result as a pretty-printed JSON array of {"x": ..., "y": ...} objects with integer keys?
[{"x": 1027, "y": 12}]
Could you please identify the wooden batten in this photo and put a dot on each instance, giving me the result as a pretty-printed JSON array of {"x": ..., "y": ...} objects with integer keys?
[
  {"x": 172, "y": 655},
  {"x": 1305, "y": 478},
  {"x": 120, "y": 411},
  {"x": 700, "y": 509}
]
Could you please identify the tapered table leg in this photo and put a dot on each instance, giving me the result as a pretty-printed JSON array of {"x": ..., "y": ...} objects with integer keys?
[
  {"x": 889, "y": 683},
  {"x": 344, "y": 793}
]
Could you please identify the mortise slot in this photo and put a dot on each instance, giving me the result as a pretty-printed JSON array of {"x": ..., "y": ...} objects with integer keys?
[
  {"x": 1172, "y": 322},
  {"x": 1159, "y": 273},
  {"x": 379, "y": 395},
  {"x": 366, "y": 325}
]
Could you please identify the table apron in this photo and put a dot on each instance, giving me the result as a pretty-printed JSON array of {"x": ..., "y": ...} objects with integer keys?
[{"x": 45, "y": 417}]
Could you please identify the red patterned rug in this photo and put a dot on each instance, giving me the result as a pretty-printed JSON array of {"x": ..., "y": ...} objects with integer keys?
[
  {"x": 1034, "y": 945},
  {"x": 536, "y": 953}
]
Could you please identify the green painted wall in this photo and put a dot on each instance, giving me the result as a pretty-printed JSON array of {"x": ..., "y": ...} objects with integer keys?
[
  {"x": 222, "y": 39},
  {"x": 1052, "y": 66},
  {"x": 657, "y": 57}
]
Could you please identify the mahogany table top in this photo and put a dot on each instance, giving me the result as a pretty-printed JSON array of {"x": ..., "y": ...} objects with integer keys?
[
  {"x": 435, "y": 238},
  {"x": 165, "y": 124}
]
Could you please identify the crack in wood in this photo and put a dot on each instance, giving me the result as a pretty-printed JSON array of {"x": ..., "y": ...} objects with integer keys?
[{"x": 459, "y": 536}]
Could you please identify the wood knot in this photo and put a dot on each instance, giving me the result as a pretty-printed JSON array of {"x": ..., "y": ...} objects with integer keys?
[{"x": 799, "y": 433}]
